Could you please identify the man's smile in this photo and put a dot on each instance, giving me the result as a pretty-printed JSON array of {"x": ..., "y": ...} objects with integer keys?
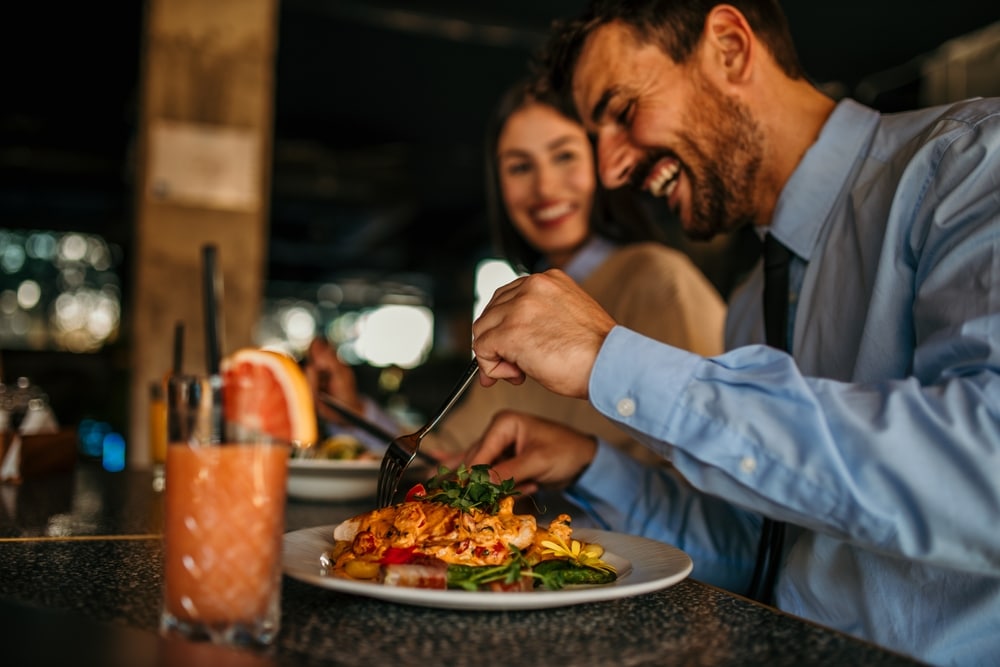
[{"x": 661, "y": 180}]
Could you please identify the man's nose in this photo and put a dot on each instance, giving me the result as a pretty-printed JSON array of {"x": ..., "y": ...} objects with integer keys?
[{"x": 616, "y": 158}]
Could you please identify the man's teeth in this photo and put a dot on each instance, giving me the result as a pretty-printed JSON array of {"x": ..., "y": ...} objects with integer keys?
[
  {"x": 664, "y": 181},
  {"x": 553, "y": 212},
  {"x": 671, "y": 186}
]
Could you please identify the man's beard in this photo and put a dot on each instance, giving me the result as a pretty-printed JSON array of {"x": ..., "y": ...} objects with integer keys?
[{"x": 723, "y": 158}]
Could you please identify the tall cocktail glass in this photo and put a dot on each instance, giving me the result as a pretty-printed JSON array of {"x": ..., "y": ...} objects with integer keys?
[{"x": 224, "y": 519}]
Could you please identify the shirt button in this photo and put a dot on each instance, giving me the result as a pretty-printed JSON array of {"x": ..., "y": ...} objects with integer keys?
[
  {"x": 748, "y": 464},
  {"x": 626, "y": 407}
]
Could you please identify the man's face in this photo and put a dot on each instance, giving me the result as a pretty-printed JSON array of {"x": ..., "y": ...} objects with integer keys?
[{"x": 668, "y": 129}]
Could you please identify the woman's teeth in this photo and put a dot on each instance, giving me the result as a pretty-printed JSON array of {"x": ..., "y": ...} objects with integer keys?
[{"x": 553, "y": 212}]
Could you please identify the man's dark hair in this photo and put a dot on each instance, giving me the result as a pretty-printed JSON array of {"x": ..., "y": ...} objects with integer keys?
[{"x": 674, "y": 25}]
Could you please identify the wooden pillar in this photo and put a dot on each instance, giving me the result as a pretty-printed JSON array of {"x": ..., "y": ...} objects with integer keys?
[{"x": 203, "y": 177}]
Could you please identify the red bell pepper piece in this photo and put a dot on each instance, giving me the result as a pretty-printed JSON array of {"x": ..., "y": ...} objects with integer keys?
[{"x": 398, "y": 555}]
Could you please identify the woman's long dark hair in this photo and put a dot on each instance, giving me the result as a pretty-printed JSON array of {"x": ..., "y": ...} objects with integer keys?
[{"x": 616, "y": 214}]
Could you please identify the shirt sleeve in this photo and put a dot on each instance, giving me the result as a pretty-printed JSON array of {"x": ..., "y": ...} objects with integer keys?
[
  {"x": 621, "y": 494},
  {"x": 896, "y": 467}
]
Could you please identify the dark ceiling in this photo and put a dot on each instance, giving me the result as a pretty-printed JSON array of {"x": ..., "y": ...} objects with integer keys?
[
  {"x": 379, "y": 114},
  {"x": 380, "y": 111}
]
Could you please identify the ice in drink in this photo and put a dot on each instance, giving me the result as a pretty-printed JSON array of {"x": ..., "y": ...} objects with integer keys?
[{"x": 225, "y": 508}]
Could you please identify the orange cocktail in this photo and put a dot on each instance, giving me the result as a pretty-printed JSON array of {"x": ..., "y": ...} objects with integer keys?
[
  {"x": 225, "y": 508},
  {"x": 230, "y": 436}
]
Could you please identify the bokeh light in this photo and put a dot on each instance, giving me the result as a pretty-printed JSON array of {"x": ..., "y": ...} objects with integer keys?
[
  {"x": 395, "y": 335},
  {"x": 490, "y": 274},
  {"x": 58, "y": 290},
  {"x": 113, "y": 452},
  {"x": 379, "y": 323}
]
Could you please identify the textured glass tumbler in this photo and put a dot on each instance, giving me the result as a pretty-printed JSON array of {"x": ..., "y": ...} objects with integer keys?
[{"x": 225, "y": 513}]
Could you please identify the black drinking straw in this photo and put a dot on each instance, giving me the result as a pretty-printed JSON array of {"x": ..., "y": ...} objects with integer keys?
[
  {"x": 212, "y": 297},
  {"x": 212, "y": 285},
  {"x": 178, "y": 347}
]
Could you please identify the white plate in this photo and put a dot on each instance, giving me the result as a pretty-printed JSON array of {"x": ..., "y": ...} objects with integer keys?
[
  {"x": 326, "y": 479},
  {"x": 643, "y": 566}
]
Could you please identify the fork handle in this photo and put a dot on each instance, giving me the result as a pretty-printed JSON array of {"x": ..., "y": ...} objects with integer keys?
[
  {"x": 367, "y": 426},
  {"x": 455, "y": 394}
]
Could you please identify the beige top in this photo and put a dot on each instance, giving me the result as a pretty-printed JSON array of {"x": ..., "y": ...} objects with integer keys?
[{"x": 647, "y": 287}]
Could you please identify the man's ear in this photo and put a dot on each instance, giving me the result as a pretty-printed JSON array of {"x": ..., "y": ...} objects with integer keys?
[{"x": 729, "y": 42}]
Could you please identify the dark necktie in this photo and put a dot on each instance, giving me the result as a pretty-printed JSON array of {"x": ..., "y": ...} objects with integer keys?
[
  {"x": 776, "y": 257},
  {"x": 772, "y": 537}
]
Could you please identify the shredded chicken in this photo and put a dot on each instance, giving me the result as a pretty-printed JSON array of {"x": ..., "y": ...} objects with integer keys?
[
  {"x": 449, "y": 534},
  {"x": 432, "y": 529}
]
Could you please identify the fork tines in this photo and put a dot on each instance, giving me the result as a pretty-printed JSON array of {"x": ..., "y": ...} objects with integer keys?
[
  {"x": 388, "y": 479},
  {"x": 403, "y": 449},
  {"x": 391, "y": 471}
]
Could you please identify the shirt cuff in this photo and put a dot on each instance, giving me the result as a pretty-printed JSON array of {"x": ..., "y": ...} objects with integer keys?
[{"x": 638, "y": 381}]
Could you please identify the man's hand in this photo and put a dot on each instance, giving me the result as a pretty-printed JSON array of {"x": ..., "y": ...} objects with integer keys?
[
  {"x": 536, "y": 452},
  {"x": 543, "y": 326}
]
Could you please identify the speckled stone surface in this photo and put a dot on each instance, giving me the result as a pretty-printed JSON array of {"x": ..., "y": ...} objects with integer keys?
[{"x": 97, "y": 553}]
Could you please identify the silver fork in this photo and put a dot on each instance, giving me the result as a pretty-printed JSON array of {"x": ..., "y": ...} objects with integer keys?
[{"x": 403, "y": 449}]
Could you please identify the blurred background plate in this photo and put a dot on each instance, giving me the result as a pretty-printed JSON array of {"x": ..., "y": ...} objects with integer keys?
[{"x": 332, "y": 480}]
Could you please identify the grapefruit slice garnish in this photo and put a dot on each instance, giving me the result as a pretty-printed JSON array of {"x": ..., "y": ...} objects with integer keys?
[{"x": 266, "y": 392}]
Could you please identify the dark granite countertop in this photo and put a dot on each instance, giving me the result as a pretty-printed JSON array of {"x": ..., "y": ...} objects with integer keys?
[{"x": 80, "y": 559}]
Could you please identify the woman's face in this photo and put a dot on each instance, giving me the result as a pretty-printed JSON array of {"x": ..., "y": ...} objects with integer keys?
[{"x": 547, "y": 180}]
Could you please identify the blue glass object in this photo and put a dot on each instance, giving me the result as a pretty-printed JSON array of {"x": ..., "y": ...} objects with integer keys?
[{"x": 113, "y": 452}]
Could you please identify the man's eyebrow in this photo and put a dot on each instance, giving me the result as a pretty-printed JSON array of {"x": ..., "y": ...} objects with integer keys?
[{"x": 602, "y": 105}]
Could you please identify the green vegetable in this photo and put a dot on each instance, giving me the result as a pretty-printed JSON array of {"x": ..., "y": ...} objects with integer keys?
[
  {"x": 551, "y": 574},
  {"x": 568, "y": 572},
  {"x": 473, "y": 578},
  {"x": 466, "y": 488}
]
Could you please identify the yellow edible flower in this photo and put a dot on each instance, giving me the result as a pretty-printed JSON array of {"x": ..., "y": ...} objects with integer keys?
[{"x": 586, "y": 555}]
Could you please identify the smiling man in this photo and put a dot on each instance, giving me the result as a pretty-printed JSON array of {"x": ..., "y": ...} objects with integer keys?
[
  {"x": 704, "y": 133},
  {"x": 874, "y": 434}
]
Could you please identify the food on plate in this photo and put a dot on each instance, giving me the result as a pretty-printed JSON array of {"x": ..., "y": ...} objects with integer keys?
[
  {"x": 343, "y": 447},
  {"x": 459, "y": 530},
  {"x": 269, "y": 392}
]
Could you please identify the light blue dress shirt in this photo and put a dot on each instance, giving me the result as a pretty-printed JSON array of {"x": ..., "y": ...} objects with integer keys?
[
  {"x": 587, "y": 259},
  {"x": 878, "y": 440}
]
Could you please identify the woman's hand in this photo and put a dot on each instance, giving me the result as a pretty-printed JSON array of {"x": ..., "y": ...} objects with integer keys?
[
  {"x": 326, "y": 373},
  {"x": 535, "y": 452}
]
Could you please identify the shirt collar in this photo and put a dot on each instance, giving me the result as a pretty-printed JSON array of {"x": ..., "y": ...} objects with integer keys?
[
  {"x": 816, "y": 184},
  {"x": 588, "y": 258}
]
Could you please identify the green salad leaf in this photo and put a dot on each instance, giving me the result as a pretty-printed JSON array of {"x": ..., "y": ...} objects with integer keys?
[{"x": 467, "y": 488}]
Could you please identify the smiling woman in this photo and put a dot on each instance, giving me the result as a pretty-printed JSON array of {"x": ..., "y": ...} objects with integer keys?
[{"x": 546, "y": 170}]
